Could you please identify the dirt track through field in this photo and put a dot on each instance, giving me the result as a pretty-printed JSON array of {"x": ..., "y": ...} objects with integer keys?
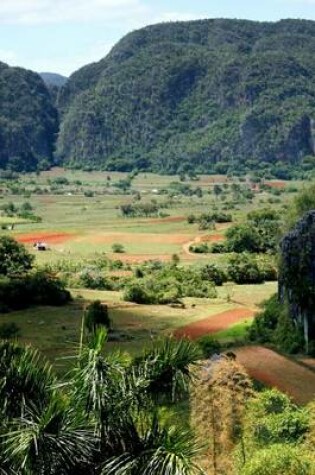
[
  {"x": 214, "y": 324},
  {"x": 50, "y": 238},
  {"x": 275, "y": 370}
]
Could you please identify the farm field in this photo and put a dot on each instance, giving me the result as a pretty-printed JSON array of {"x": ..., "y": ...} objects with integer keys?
[
  {"x": 80, "y": 220},
  {"x": 276, "y": 370}
]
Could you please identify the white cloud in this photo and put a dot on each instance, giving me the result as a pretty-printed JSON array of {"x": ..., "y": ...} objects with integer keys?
[
  {"x": 62, "y": 64},
  {"x": 32, "y": 12}
]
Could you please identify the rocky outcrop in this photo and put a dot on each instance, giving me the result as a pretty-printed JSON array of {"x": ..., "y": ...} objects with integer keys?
[{"x": 297, "y": 274}]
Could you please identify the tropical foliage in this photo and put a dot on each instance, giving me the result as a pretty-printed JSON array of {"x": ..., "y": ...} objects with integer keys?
[{"x": 102, "y": 419}]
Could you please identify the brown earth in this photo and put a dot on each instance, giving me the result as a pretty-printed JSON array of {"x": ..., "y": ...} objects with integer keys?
[
  {"x": 309, "y": 362},
  {"x": 210, "y": 238},
  {"x": 278, "y": 371},
  {"x": 214, "y": 324},
  {"x": 276, "y": 184},
  {"x": 50, "y": 238}
]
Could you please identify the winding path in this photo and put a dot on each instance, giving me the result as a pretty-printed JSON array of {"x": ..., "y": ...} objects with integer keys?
[{"x": 214, "y": 324}]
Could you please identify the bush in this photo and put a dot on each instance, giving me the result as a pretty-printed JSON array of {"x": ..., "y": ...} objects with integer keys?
[
  {"x": 214, "y": 274},
  {"x": 136, "y": 293},
  {"x": 265, "y": 323},
  {"x": 209, "y": 346},
  {"x": 94, "y": 280},
  {"x": 168, "y": 284},
  {"x": 14, "y": 258},
  {"x": 118, "y": 248},
  {"x": 243, "y": 269},
  {"x": 274, "y": 325},
  {"x": 218, "y": 248},
  {"x": 37, "y": 288},
  {"x": 201, "y": 248},
  {"x": 9, "y": 330},
  {"x": 96, "y": 315}
]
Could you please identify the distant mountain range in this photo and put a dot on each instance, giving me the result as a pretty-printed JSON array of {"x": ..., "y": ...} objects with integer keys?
[
  {"x": 28, "y": 120},
  {"x": 211, "y": 95},
  {"x": 53, "y": 79}
]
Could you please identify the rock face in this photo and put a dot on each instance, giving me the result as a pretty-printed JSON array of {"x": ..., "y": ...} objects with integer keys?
[
  {"x": 28, "y": 120},
  {"x": 297, "y": 274},
  {"x": 212, "y": 95}
]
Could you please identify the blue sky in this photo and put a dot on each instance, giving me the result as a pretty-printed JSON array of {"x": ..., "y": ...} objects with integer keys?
[{"x": 63, "y": 35}]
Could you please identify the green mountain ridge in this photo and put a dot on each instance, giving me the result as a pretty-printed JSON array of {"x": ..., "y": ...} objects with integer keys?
[
  {"x": 28, "y": 120},
  {"x": 209, "y": 95},
  {"x": 206, "y": 95}
]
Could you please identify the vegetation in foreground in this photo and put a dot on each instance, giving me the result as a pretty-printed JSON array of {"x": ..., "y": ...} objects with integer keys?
[{"x": 111, "y": 415}]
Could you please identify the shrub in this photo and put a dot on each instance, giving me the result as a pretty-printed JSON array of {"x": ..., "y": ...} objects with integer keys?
[
  {"x": 118, "y": 248},
  {"x": 9, "y": 330},
  {"x": 209, "y": 346},
  {"x": 213, "y": 273},
  {"x": 96, "y": 315},
  {"x": 135, "y": 292},
  {"x": 37, "y": 288},
  {"x": 201, "y": 248},
  {"x": 94, "y": 280},
  {"x": 14, "y": 258},
  {"x": 274, "y": 325},
  {"x": 218, "y": 248},
  {"x": 243, "y": 269}
]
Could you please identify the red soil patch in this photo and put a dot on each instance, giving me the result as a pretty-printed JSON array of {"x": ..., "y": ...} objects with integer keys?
[
  {"x": 310, "y": 362},
  {"x": 214, "y": 324},
  {"x": 50, "y": 238},
  {"x": 277, "y": 371},
  {"x": 212, "y": 238},
  {"x": 276, "y": 184}
]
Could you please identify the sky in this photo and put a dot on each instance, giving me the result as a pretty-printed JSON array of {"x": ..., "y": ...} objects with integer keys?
[{"x": 63, "y": 35}]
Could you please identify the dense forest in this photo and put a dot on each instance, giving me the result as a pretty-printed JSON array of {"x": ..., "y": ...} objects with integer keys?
[
  {"x": 28, "y": 120},
  {"x": 211, "y": 95},
  {"x": 208, "y": 95}
]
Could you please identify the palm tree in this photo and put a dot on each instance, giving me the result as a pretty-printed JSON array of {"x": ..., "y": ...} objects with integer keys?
[
  {"x": 102, "y": 420},
  {"x": 167, "y": 367},
  {"x": 52, "y": 441},
  {"x": 161, "y": 450}
]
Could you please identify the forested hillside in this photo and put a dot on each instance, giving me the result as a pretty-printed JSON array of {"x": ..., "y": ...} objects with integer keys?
[
  {"x": 212, "y": 95},
  {"x": 28, "y": 120},
  {"x": 209, "y": 96}
]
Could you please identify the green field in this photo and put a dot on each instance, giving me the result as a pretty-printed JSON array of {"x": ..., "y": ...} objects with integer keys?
[{"x": 81, "y": 220}]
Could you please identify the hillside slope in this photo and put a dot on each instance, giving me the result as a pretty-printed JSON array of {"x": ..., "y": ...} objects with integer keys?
[
  {"x": 28, "y": 120},
  {"x": 204, "y": 95}
]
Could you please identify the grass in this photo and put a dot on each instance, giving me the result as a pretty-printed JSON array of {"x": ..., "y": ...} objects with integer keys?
[
  {"x": 96, "y": 223},
  {"x": 236, "y": 332}
]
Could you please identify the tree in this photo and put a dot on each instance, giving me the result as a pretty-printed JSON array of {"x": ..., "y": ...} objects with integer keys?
[
  {"x": 14, "y": 258},
  {"x": 96, "y": 315},
  {"x": 101, "y": 420},
  {"x": 302, "y": 203}
]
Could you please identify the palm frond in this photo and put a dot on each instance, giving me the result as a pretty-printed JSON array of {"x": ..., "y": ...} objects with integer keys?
[
  {"x": 59, "y": 438},
  {"x": 166, "y": 366},
  {"x": 25, "y": 379},
  {"x": 162, "y": 450}
]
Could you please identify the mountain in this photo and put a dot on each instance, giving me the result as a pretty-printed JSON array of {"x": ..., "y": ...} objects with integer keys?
[
  {"x": 28, "y": 120},
  {"x": 54, "y": 83},
  {"x": 210, "y": 95},
  {"x": 53, "y": 79}
]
